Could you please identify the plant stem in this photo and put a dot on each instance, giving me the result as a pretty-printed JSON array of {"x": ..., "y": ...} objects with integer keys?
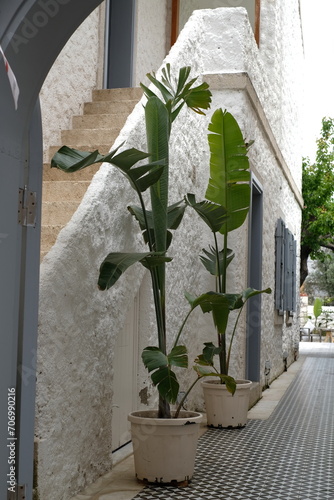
[
  {"x": 181, "y": 328},
  {"x": 185, "y": 397},
  {"x": 231, "y": 341}
]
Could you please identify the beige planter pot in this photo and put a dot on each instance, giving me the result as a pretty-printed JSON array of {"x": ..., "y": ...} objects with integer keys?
[
  {"x": 223, "y": 409},
  {"x": 164, "y": 449}
]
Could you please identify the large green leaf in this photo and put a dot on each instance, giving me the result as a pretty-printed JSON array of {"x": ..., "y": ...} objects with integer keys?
[
  {"x": 71, "y": 160},
  {"x": 178, "y": 356},
  {"x": 214, "y": 215},
  {"x": 116, "y": 263},
  {"x": 226, "y": 379},
  {"x": 219, "y": 304},
  {"x": 229, "y": 169},
  {"x": 208, "y": 354},
  {"x": 317, "y": 307},
  {"x": 250, "y": 292},
  {"x": 153, "y": 358},
  {"x": 167, "y": 384},
  {"x": 178, "y": 92},
  {"x": 140, "y": 177},
  {"x": 210, "y": 263},
  {"x": 175, "y": 214},
  {"x": 158, "y": 129},
  {"x": 163, "y": 377}
]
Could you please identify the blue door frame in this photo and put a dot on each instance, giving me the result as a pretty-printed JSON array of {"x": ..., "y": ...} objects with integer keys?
[{"x": 32, "y": 33}]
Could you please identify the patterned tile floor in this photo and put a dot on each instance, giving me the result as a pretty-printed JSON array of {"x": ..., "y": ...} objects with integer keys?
[
  {"x": 290, "y": 456},
  {"x": 286, "y": 456}
]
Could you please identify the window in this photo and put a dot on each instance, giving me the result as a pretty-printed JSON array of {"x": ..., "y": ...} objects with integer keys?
[{"x": 285, "y": 286}]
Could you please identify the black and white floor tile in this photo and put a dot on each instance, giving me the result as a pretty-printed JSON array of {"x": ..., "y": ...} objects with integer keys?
[{"x": 290, "y": 456}]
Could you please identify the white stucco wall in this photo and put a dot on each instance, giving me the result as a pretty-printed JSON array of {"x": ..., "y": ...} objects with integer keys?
[
  {"x": 152, "y": 37},
  {"x": 76, "y": 71},
  {"x": 79, "y": 324}
]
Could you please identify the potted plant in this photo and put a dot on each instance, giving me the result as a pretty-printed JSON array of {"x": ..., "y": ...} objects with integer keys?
[
  {"x": 317, "y": 311},
  {"x": 161, "y": 455},
  {"x": 226, "y": 400}
]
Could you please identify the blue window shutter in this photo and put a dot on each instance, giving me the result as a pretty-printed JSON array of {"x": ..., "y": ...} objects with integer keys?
[
  {"x": 280, "y": 268},
  {"x": 288, "y": 278}
]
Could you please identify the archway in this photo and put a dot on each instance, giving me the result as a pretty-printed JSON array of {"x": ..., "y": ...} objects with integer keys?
[{"x": 32, "y": 33}]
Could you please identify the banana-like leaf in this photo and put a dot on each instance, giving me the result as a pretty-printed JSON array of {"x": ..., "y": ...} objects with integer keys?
[
  {"x": 197, "y": 98},
  {"x": 158, "y": 129},
  {"x": 317, "y": 307},
  {"x": 175, "y": 214},
  {"x": 229, "y": 169},
  {"x": 180, "y": 92},
  {"x": 226, "y": 379},
  {"x": 163, "y": 377},
  {"x": 116, "y": 263},
  {"x": 153, "y": 358},
  {"x": 208, "y": 354},
  {"x": 140, "y": 177},
  {"x": 155, "y": 259},
  {"x": 178, "y": 356},
  {"x": 167, "y": 384},
  {"x": 210, "y": 263},
  {"x": 250, "y": 292},
  {"x": 214, "y": 215}
]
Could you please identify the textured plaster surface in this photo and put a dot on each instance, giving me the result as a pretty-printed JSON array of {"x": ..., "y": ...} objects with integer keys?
[
  {"x": 71, "y": 79},
  {"x": 152, "y": 37},
  {"x": 79, "y": 324}
]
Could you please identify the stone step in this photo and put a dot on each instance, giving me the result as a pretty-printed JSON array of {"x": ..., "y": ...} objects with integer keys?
[
  {"x": 58, "y": 212},
  {"x": 96, "y": 129},
  {"x": 69, "y": 190},
  {"x": 90, "y": 136},
  {"x": 54, "y": 174},
  {"x": 123, "y": 94},
  {"x": 106, "y": 107},
  {"x": 110, "y": 121}
]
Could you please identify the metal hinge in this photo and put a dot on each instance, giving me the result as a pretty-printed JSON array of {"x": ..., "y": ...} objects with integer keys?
[
  {"x": 18, "y": 493},
  {"x": 27, "y": 207}
]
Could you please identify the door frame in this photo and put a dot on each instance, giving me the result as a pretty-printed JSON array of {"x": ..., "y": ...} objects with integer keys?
[
  {"x": 27, "y": 27},
  {"x": 253, "y": 328},
  {"x": 119, "y": 43}
]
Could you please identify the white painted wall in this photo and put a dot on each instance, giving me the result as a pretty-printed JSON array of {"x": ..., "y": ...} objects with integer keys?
[
  {"x": 152, "y": 37},
  {"x": 79, "y": 325},
  {"x": 77, "y": 70},
  {"x": 79, "y": 67}
]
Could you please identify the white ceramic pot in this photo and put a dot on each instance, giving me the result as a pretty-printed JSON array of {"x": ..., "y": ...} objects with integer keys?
[
  {"x": 223, "y": 409},
  {"x": 164, "y": 449}
]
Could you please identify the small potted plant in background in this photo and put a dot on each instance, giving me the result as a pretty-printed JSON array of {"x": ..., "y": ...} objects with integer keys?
[
  {"x": 226, "y": 400},
  {"x": 317, "y": 311}
]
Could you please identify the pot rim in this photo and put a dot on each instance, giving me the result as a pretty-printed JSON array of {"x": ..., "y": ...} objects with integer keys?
[
  {"x": 191, "y": 417},
  {"x": 241, "y": 383}
]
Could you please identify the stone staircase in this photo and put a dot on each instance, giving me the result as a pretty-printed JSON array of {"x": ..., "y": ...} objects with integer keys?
[{"x": 96, "y": 128}]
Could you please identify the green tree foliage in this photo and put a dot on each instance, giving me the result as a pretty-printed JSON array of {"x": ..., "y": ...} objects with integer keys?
[
  {"x": 322, "y": 279},
  {"x": 317, "y": 233}
]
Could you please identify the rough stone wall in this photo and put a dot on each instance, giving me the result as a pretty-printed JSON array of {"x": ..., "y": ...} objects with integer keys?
[{"x": 79, "y": 325}]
